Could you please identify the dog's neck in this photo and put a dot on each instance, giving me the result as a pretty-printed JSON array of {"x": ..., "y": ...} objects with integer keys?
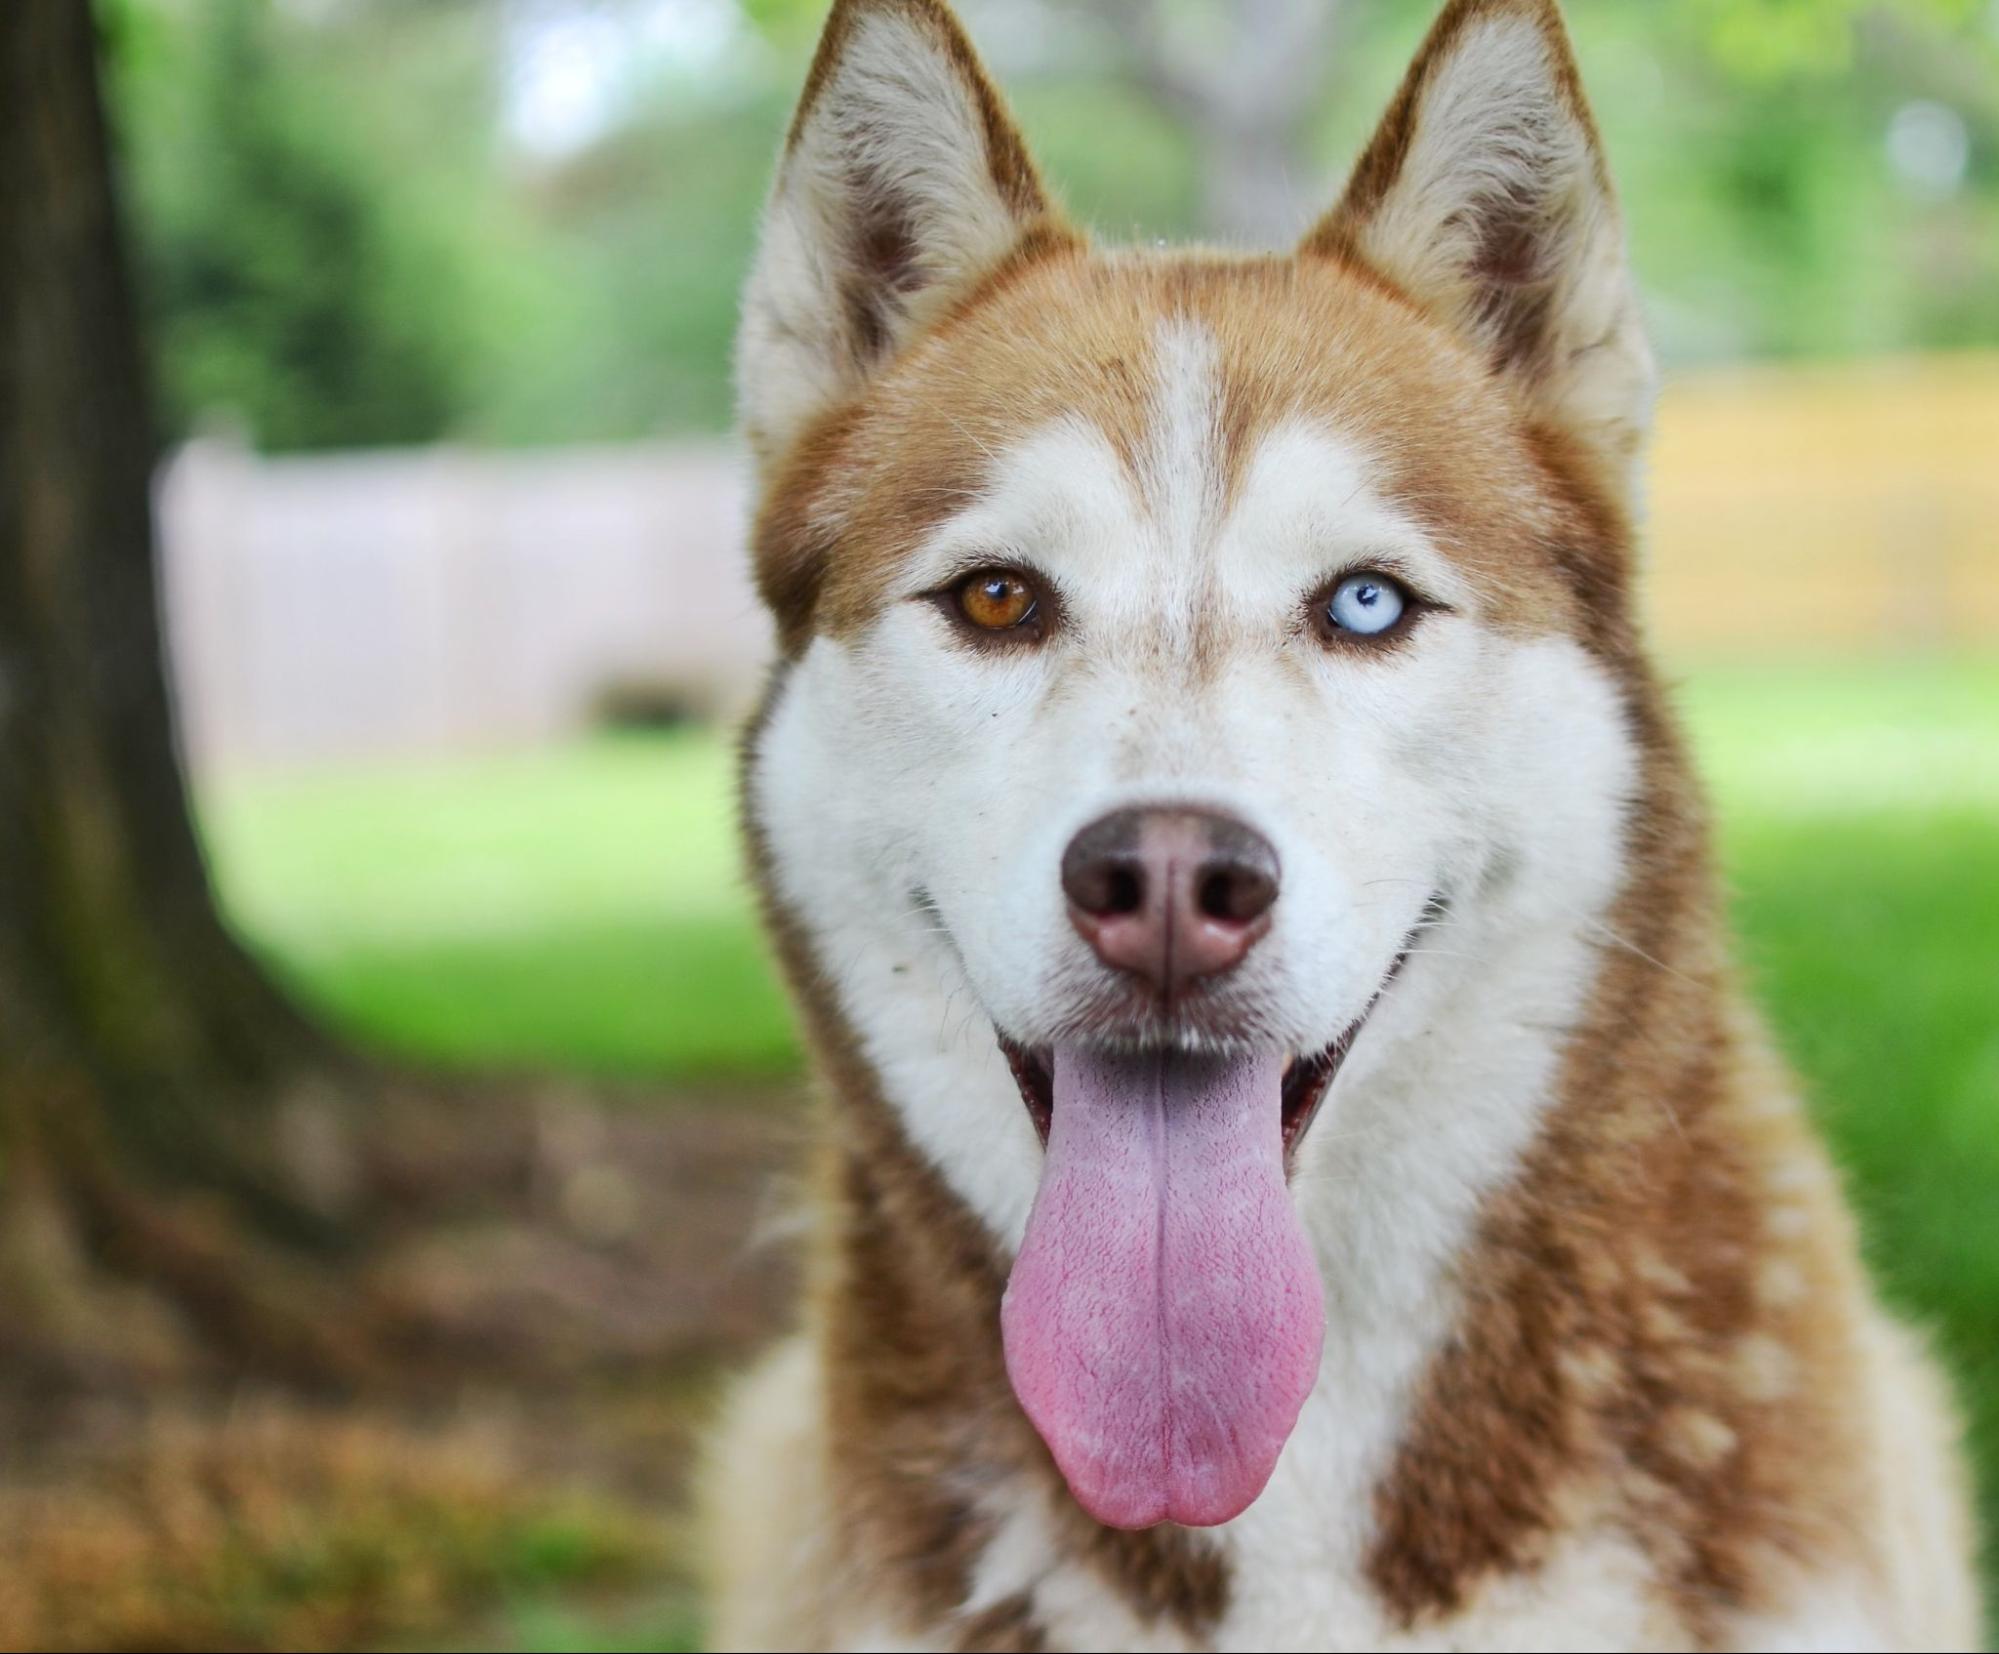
[{"x": 1534, "y": 1196}]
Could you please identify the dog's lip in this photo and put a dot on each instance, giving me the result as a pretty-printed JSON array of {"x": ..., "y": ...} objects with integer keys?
[
  {"x": 1034, "y": 1073},
  {"x": 1306, "y": 1078}
]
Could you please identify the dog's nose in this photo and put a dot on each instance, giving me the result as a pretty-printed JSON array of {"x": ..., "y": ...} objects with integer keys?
[{"x": 1170, "y": 895}]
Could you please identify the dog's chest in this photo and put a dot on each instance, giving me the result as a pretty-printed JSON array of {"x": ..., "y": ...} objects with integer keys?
[{"x": 1297, "y": 1580}]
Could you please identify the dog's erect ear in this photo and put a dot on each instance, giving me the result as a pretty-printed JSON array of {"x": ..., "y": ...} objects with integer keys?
[
  {"x": 902, "y": 180},
  {"x": 1485, "y": 198}
]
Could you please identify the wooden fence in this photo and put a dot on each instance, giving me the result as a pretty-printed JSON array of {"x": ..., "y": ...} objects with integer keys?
[
  {"x": 437, "y": 599},
  {"x": 1827, "y": 509}
]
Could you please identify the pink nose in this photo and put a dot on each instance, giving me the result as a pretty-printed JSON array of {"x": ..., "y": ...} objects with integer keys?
[{"x": 1170, "y": 895}]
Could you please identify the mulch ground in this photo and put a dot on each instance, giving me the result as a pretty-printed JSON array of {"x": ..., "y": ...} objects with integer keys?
[{"x": 566, "y": 1270}]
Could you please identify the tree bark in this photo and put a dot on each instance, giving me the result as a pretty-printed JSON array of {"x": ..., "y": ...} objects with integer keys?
[{"x": 141, "y": 1051}]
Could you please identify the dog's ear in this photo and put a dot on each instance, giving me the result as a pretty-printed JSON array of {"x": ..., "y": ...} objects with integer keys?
[
  {"x": 1485, "y": 198},
  {"x": 901, "y": 181}
]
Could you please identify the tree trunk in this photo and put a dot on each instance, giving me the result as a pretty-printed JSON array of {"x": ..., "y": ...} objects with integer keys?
[{"x": 142, "y": 1053}]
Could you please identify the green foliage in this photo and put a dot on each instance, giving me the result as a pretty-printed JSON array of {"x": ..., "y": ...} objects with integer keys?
[
  {"x": 792, "y": 25},
  {"x": 1779, "y": 216},
  {"x": 292, "y": 283},
  {"x": 1771, "y": 41},
  {"x": 1123, "y": 165},
  {"x": 629, "y": 277}
]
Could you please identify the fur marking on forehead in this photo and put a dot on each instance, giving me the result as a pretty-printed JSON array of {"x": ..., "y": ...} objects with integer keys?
[{"x": 1180, "y": 471}]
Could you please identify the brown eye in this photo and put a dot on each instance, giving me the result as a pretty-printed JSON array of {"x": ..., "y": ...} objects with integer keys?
[{"x": 995, "y": 600}]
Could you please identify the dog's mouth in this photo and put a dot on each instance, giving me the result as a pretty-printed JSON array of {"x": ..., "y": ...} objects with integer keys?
[
  {"x": 1163, "y": 1319},
  {"x": 1307, "y": 1076}
]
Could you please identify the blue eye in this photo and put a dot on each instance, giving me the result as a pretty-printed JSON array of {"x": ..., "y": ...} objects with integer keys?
[{"x": 1365, "y": 604}]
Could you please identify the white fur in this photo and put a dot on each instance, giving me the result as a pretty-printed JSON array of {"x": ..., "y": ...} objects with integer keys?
[{"x": 1025, "y": 1556}]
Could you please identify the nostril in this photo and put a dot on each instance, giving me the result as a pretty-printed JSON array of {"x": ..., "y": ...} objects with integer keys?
[
  {"x": 1104, "y": 887},
  {"x": 1217, "y": 896},
  {"x": 1187, "y": 864},
  {"x": 1103, "y": 870},
  {"x": 1124, "y": 890},
  {"x": 1235, "y": 894}
]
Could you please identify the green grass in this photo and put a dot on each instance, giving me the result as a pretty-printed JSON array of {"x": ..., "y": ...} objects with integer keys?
[
  {"x": 583, "y": 910},
  {"x": 1859, "y": 817},
  {"x": 558, "y": 1626}
]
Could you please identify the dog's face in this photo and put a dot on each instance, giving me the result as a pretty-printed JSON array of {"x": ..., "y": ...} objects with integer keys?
[{"x": 1175, "y": 642}]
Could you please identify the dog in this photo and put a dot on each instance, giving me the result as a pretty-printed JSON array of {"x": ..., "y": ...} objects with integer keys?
[{"x": 1295, "y": 1167}]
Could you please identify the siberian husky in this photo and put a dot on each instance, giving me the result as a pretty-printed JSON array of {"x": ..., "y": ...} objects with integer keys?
[{"x": 1296, "y": 1167}]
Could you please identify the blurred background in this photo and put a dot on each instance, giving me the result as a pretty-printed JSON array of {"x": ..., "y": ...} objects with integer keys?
[{"x": 437, "y": 299}]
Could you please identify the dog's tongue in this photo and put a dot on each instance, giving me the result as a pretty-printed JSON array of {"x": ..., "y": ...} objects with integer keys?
[{"x": 1163, "y": 1320}]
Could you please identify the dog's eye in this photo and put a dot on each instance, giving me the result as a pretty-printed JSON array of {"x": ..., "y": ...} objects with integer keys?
[
  {"x": 1366, "y": 605},
  {"x": 997, "y": 600}
]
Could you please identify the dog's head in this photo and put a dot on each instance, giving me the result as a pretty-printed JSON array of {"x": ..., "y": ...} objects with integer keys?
[{"x": 1173, "y": 642}]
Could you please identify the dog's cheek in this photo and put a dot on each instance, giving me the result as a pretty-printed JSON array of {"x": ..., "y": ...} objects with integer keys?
[
  {"x": 1559, "y": 769},
  {"x": 999, "y": 815},
  {"x": 932, "y": 780}
]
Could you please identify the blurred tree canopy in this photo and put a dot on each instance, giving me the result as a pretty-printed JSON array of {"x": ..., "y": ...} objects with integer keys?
[
  {"x": 293, "y": 282},
  {"x": 525, "y": 221}
]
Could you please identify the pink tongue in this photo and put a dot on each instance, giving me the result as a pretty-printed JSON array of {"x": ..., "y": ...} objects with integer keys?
[{"x": 1163, "y": 1319}]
